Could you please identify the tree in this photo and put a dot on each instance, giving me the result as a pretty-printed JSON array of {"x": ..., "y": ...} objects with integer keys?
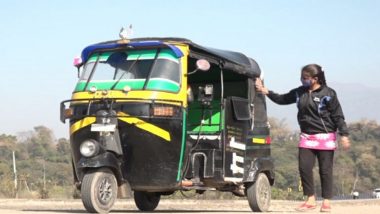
[
  {"x": 7, "y": 145},
  {"x": 63, "y": 146}
]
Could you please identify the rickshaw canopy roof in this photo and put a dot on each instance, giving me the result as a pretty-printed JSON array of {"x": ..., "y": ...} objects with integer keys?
[{"x": 234, "y": 61}]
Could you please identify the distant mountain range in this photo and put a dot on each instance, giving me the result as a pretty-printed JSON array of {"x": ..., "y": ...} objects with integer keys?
[{"x": 358, "y": 102}]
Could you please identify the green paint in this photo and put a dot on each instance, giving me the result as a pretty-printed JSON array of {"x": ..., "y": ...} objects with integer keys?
[
  {"x": 141, "y": 54},
  {"x": 137, "y": 54},
  {"x": 134, "y": 84},
  {"x": 183, "y": 141},
  {"x": 150, "y": 54},
  {"x": 159, "y": 84},
  {"x": 103, "y": 57},
  {"x": 213, "y": 118},
  {"x": 222, "y": 119},
  {"x": 162, "y": 84}
]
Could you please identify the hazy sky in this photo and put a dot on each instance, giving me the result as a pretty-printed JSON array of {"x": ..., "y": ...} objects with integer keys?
[{"x": 39, "y": 39}]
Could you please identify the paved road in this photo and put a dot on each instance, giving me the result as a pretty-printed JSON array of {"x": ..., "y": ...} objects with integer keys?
[{"x": 25, "y": 206}]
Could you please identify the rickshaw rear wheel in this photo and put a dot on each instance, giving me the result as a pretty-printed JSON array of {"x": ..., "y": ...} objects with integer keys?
[
  {"x": 146, "y": 201},
  {"x": 99, "y": 190},
  {"x": 259, "y": 194}
]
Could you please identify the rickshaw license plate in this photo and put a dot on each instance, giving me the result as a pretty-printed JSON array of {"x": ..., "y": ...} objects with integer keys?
[{"x": 103, "y": 127}]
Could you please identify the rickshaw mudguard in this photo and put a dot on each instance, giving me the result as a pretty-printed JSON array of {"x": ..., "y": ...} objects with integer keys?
[
  {"x": 257, "y": 166},
  {"x": 107, "y": 159}
]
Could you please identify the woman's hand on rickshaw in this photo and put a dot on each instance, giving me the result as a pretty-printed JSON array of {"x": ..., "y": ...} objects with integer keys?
[{"x": 260, "y": 86}]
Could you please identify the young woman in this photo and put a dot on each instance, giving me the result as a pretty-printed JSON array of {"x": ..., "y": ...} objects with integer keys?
[{"x": 320, "y": 117}]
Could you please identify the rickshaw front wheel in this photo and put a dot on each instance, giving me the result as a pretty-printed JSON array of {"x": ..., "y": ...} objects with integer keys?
[
  {"x": 99, "y": 190},
  {"x": 259, "y": 194},
  {"x": 146, "y": 201}
]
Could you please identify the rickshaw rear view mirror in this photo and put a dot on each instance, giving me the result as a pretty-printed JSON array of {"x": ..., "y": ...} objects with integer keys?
[
  {"x": 77, "y": 63},
  {"x": 203, "y": 65}
]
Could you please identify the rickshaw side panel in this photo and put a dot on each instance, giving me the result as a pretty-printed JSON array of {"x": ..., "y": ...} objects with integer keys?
[
  {"x": 258, "y": 149},
  {"x": 237, "y": 123}
]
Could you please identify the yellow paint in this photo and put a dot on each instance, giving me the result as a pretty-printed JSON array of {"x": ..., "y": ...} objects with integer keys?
[
  {"x": 258, "y": 140},
  {"x": 138, "y": 95},
  {"x": 145, "y": 126},
  {"x": 182, "y": 95},
  {"x": 126, "y": 118},
  {"x": 81, "y": 124}
]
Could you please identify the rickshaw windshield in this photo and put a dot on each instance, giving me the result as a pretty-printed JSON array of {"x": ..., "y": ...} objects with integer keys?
[{"x": 155, "y": 69}]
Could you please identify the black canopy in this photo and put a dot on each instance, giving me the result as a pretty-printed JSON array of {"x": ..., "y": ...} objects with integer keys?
[{"x": 234, "y": 61}]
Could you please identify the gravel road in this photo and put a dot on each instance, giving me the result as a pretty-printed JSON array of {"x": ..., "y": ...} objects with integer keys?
[{"x": 25, "y": 206}]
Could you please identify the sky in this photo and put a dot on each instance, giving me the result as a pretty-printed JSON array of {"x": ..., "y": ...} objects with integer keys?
[{"x": 40, "y": 38}]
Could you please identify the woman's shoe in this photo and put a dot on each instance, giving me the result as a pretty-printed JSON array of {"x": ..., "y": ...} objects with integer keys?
[
  {"x": 305, "y": 207},
  {"x": 325, "y": 208}
]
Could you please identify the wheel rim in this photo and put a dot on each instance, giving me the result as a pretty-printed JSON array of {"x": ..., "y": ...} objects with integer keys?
[{"x": 105, "y": 191}]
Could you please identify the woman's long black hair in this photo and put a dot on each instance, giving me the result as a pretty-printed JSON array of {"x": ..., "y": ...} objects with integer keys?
[{"x": 315, "y": 70}]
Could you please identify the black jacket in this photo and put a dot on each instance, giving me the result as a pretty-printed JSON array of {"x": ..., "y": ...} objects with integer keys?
[{"x": 319, "y": 111}]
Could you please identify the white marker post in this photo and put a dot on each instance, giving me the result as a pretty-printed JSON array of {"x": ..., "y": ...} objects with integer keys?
[{"x": 15, "y": 171}]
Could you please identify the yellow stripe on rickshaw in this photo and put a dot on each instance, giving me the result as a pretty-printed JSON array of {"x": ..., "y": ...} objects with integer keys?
[
  {"x": 258, "y": 140},
  {"x": 81, "y": 124},
  {"x": 145, "y": 126}
]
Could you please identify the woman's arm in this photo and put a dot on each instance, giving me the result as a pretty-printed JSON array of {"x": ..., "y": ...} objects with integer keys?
[
  {"x": 282, "y": 99},
  {"x": 337, "y": 116}
]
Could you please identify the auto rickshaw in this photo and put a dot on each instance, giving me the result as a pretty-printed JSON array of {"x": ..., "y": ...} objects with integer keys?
[{"x": 158, "y": 115}]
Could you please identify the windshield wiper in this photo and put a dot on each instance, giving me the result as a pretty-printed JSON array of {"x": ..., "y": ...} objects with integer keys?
[
  {"x": 151, "y": 68},
  {"x": 124, "y": 72},
  {"x": 92, "y": 72}
]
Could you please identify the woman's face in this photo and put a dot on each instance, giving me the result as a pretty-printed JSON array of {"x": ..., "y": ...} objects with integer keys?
[{"x": 307, "y": 80}]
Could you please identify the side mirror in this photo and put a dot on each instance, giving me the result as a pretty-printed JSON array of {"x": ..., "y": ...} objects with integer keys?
[
  {"x": 202, "y": 65},
  {"x": 77, "y": 63}
]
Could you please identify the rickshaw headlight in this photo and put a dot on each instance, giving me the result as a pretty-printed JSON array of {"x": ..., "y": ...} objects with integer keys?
[{"x": 89, "y": 148}]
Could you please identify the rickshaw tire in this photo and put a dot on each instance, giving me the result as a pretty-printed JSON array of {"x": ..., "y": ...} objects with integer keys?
[
  {"x": 259, "y": 194},
  {"x": 146, "y": 201},
  {"x": 90, "y": 190}
]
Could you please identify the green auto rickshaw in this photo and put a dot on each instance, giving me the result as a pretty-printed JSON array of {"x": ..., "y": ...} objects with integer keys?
[{"x": 158, "y": 115}]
